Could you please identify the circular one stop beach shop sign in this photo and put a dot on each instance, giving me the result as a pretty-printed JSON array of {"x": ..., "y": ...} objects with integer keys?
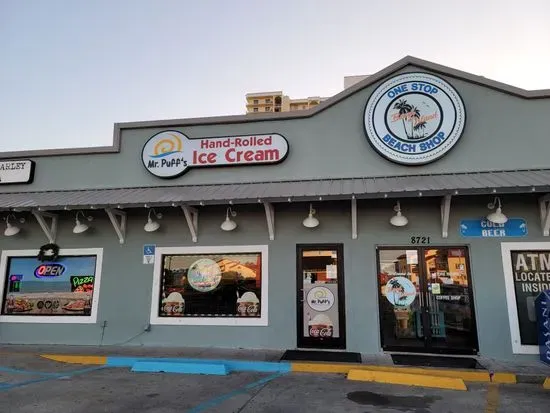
[{"x": 414, "y": 118}]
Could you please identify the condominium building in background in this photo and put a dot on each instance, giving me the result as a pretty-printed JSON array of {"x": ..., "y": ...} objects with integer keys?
[
  {"x": 276, "y": 101},
  {"x": 262, "y": 102}
]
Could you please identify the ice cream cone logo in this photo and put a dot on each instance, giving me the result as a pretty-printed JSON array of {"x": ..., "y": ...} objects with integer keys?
[
  {"x": 174, "y": 304},
  {"x": 248, "y": 305},
  {"x": 320, "y": 326}
]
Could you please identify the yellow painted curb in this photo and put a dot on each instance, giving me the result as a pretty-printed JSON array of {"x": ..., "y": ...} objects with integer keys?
[
  {"x": 505, "y": 378},
  {"x": 546, "y": 383},
  {"x": 76, "y": 359},
  {"x": 344, "y": 368},
  {"x": 407, "y": 379}
]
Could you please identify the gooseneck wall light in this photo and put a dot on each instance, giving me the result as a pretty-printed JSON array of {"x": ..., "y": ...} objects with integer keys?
[
  {"x": 152, "y": 225},
  {"x": 80, "y": 227},
  {"x": 496, "y": 217},
  {"x": 398, "y": 220},
  {"x": 229, "y": 224},
  {"x": 310, "y": 221},
  {"x": 12, "y": 229}
]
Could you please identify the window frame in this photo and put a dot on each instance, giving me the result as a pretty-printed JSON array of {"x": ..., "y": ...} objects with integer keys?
[
  {"x": 155, "y": 319},
  {"x": 73, "y": 319}
]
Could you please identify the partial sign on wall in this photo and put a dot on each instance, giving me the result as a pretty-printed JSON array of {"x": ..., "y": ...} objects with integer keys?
[
  {"x": 482, "y": 228},
  {"x": 149, "y": 254},
  {"x": 16, "y": 172},
  {"x": 526, "y": 274},
  {"x": 170, "y": 154}
]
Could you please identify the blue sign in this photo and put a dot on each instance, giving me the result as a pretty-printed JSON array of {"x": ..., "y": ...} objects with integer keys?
[
  {"x": 542, "y": 304},
  {"x": 149, "y": 249},
  {"x": 483, "y": 228}
]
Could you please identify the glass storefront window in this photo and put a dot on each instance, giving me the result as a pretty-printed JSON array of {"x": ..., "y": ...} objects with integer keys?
[
  {"x": 52, "y": 291},
  {"x": 210, "y": 286},
  {"x": 399, "y": 286},
  {"x": 321, "y": 310},
  {"x": 426, "y": 299}
]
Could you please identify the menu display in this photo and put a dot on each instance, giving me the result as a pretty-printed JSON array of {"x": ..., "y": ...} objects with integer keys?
[{"x": 61, "y": 288}]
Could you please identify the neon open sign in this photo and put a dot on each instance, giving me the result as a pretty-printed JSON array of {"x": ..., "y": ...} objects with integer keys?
[{"x": 49, "y": 270}]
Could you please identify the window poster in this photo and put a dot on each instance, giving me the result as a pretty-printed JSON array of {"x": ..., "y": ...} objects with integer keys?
[
  {"x": 211, "y": 285},
  {"x": 531, "y": 275},
  {"x": 61, "y": 288}
]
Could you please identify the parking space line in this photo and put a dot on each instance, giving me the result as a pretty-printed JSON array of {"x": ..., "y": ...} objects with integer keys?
[
  {"x": 220, "y": 399},
  {"x": 492, "y": 398},
  {"x": 29, "y": 372},
  {"x": 47, "y": 377}
]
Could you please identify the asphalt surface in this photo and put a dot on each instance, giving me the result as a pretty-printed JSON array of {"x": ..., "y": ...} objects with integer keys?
[{"x": 29, "y": 383}]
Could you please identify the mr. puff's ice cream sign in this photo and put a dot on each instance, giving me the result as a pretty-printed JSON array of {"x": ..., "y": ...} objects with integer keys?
[{"x": 169, "y": 154}]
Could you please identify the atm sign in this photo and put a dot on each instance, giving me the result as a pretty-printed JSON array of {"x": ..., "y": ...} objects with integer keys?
[{"x": 49, "y": 270}]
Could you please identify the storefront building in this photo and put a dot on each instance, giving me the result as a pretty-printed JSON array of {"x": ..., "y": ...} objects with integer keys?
[{"x": 360, "y": 225}]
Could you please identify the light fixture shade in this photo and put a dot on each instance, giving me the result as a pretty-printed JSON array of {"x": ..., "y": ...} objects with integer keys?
[
  {"x": 79, "y": 228},
  {"x": 497, "y": 217},
  {"x": 228, "y": 224},
  {"x": 399, "y": 220},
  {"x": 310, "y": 221},
  {"x": 151, "y": 225},
  {"x": 11, "y": 230}
]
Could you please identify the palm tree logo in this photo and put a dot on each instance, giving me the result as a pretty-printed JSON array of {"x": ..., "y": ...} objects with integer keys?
[
  {"x": 411, "y": 114},
  {"x": 397, "y": 291},
  {"x": 403, "y": 107}
]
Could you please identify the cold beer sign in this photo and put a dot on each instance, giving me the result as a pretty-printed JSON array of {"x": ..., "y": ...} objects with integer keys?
[{"x": 170, "y": 154}]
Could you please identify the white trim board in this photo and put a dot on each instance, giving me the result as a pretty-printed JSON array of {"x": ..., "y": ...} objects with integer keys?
[
  {"x": 507, "y": 266},
  {"x": 155, "y": 319},
  {"x": 76, "y": 319}
]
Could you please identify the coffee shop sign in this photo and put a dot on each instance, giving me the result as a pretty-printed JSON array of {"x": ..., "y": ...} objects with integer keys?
[
  {"x": 170, "y": 154},
  {"x": 483, "y": 228}
]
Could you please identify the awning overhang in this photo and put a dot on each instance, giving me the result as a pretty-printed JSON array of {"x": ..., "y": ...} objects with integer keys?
[{"x": 504, "y": 182}]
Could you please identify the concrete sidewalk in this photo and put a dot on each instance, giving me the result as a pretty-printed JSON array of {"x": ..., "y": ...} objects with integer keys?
[{"x": 526, "y": 371}]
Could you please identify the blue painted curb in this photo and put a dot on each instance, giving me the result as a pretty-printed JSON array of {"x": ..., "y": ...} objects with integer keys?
[
  {"x": 185, "y": 368},
  {"x": 232, "y": 365}
]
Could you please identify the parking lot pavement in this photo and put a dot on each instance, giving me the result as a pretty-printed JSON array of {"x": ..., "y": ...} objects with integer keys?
[{"x": 42, "y": 386}]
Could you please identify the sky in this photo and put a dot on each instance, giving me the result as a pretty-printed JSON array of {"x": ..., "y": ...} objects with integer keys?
[{"x": 70, "y": 69}]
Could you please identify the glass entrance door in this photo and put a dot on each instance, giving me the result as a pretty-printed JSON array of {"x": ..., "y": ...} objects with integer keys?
[
  {"x": 426, "y": 302},
  {"x": 320, "y": 296}
]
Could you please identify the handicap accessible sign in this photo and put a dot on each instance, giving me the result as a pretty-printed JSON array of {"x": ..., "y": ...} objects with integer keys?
[
  {"x": 483, "y": 228},
  {"x": 149, "y": 254}
]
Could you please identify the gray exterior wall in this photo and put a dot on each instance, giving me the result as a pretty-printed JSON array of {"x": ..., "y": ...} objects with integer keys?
[
  {"x": 126, "y": 283},
  {"x": 503, "y": 132}
]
